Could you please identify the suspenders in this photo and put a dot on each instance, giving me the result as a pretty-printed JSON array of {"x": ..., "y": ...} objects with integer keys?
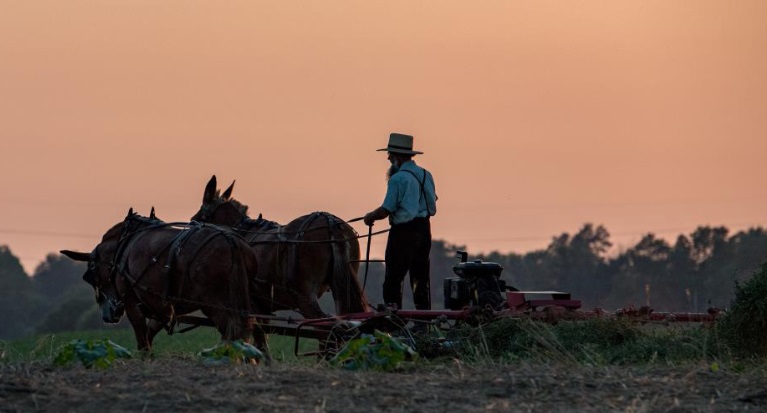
[{"x": 423, "y": 192}]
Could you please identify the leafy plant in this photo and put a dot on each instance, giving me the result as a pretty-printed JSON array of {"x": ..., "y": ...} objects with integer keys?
[
  {"x": 377, "y": 351},
  {"x": 90, "y": 353},
  {"x": 744, "y": 326},
  {"x": 232, "y": 352}
]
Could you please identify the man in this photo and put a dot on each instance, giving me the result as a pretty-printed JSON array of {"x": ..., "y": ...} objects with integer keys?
[{"x": 410, "y": 201}]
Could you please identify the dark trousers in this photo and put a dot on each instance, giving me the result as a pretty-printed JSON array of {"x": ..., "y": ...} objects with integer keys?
[{"x": 407, "y": 249}]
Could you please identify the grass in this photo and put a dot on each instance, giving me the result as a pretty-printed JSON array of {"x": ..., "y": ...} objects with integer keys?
[
  {"x": 592, "y": 342},
  {"x": 597, "y": 342},
  {"x": 45, "y": 347}
]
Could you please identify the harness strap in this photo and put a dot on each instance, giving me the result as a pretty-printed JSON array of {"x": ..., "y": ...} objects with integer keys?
[
  {"x": 293, "y": 252},
  {"x": 175, "y": 248},
  {"x": 126, "y": 242},
  {"x": 129, "y": 240}
]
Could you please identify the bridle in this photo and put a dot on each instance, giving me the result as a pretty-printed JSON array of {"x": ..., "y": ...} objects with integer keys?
[
  {"x": 93, "y": 267},
  {"x": 208, "y": 210},
  {"x": 113, "y": 269}
]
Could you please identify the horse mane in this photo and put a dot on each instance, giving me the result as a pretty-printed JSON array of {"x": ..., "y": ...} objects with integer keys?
[
  {"x": 118, "y": 229},
  {"x": 113, "y": 232},
  {"x": 242, "y": 208}
]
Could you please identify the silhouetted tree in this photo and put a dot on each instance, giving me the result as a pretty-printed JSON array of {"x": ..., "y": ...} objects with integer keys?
[
  {"x": 706, "y": 241},
  {"x": 696, "y": 273},
  {"x": 713, "y": 257},
  {"x": 643, "y": 273},
  {"x": 577, "y": 264},
  {"x": 59, "y": 277},
  {"x": 76, "y": 313},
  {"x": 531, "y": 271},
  {"x": 19, "y": 304},
  {"x": 750, "y": 250},
  {"x": 683, "y": 277},
  {"x": 69, "y": 300}
]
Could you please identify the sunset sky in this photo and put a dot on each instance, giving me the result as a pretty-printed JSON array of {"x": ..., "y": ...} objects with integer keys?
[{"x": 535, "y": 116}]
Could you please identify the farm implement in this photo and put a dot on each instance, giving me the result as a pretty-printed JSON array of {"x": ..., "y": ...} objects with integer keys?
[{"x": 477, "y": 295}]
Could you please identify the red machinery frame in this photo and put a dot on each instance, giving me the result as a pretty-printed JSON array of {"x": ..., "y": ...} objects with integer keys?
[{"x": 537, "y": 305}]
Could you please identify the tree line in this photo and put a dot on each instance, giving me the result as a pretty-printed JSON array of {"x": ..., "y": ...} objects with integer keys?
[{"x": 697, "y": 271}]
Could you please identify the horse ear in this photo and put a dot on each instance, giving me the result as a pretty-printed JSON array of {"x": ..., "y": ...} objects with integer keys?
[
  {"x": 228, "y": 192},
  {"x": 77, "y": 256},
  {"x": 152, "y": 215},
  {"x": 210, "y": 191},
  {"x": 130, "y": 213}
]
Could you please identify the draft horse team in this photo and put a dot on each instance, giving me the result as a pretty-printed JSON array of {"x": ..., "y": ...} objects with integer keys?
[{"x": 224, "y": 264}]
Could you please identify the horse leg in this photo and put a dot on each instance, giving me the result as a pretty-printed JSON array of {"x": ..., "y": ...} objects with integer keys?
[
  {"x": 259, "y": 340},
  {"x": 230, "y": 327},
  {"x": 154, "y": 327},
  {"x": 312, "y": 309},
  {"x": 308, "y": 302},
  {"x": 243, "y": 329},
  {"x": 137, "y": 320}
]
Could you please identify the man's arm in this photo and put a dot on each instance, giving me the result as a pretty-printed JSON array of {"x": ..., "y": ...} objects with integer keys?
[{"x": 375, "y": 215}]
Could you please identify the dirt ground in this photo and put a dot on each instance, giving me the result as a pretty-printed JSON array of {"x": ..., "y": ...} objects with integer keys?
[{"x": 171, "y": 385}]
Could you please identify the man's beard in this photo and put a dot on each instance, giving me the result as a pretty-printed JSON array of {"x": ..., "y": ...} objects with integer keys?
[{"x": 391, "y": 171}]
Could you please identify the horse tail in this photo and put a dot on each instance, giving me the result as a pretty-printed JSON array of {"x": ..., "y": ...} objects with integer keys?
[{"x": 344, "y": 284}]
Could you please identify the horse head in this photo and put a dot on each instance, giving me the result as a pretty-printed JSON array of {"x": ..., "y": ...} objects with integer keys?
[
  {"x": 100, "y": 275},
  {"x": 103, "y": 265},
  {"x": 220, "y": 208}
]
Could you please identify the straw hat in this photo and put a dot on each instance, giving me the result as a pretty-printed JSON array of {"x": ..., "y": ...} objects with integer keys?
[{"x": 399, "y": 143}]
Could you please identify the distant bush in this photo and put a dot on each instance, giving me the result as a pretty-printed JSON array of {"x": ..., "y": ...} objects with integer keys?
[
  {"x": 78, "y": 313},
  {"x": 744, "y": 326}
]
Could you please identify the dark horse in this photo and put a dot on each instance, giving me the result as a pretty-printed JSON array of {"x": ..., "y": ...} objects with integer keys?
[
  {"x": 299, "y": 261},
  {"x": 154, "y": 271}
]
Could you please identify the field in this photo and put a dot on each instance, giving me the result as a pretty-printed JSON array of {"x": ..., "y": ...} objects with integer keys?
[
  {"x": 178, "y": 384},
  {"x": 174, "y": 379}
]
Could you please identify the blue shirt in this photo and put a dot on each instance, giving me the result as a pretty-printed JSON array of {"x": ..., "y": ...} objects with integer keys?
[{"x": 404, "y": 199}]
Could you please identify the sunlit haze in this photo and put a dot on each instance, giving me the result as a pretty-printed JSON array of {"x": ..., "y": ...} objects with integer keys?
[{"x": 535, "y": 117}]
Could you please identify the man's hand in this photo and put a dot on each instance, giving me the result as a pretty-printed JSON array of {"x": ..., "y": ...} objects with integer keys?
[{"x": 375, "y": 215}]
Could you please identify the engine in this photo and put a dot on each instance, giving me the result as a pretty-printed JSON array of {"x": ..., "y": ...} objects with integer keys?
[{"x": 477, "y": 283}]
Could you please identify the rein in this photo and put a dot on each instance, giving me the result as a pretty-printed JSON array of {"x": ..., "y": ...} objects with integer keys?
[
  {"x": 245, "y": 223},
  {"x": 282, "y": 237}
]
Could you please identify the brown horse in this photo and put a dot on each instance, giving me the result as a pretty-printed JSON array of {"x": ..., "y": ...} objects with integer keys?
[
  {"x": 299, "y": 261},
  {"x": 155, "y": 271}
]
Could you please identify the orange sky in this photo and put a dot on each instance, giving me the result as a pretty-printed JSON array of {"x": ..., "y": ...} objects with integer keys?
[{"x": 535, "y": 117}]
